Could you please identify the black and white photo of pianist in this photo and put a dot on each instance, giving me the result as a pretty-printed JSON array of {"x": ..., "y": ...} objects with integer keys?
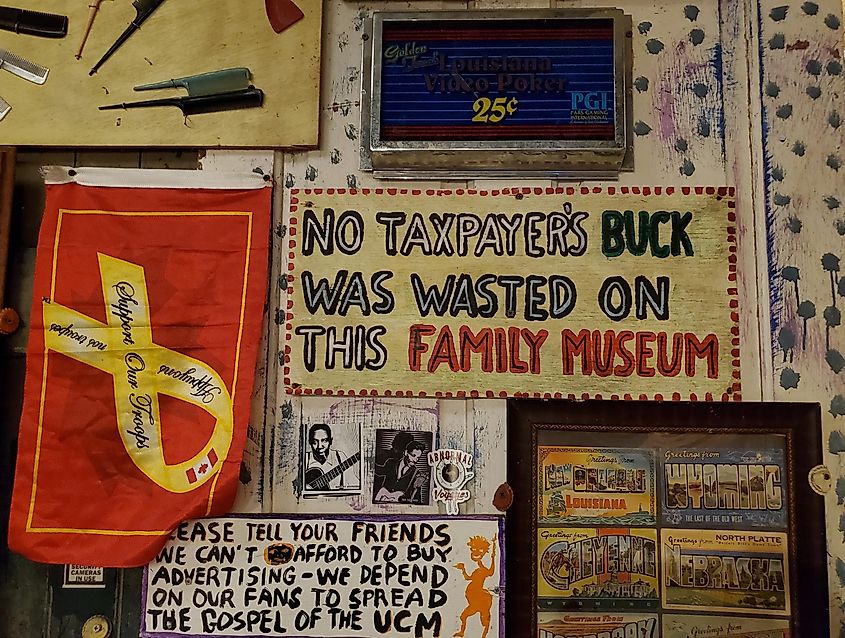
[
  {"x": 402, "y": 473},
  {"x": 331, "y": 460}
]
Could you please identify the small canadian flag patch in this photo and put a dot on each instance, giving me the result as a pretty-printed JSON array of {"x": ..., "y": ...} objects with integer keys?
[{"x": 203, "y": 468}]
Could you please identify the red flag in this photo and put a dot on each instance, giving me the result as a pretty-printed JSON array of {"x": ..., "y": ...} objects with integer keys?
[{"x": 146, "y": 319}]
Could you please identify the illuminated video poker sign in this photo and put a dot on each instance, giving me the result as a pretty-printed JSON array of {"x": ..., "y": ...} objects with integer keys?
[{"x": 497, "y": 91}]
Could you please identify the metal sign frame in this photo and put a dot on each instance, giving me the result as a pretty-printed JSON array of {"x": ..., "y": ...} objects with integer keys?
[{"x": 496, "y": 158}]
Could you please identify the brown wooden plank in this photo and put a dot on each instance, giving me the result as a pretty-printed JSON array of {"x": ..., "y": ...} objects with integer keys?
[
  {"x": 170, "y": 159},
  {"x": 28, "y": 201},
  {"x": 111, "y": 159},
  {"x": 7, "y": 185}
]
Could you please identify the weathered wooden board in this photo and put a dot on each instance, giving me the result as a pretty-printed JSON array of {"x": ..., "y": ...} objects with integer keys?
[
  {"x": 683, "y": 139},
  {"x": 514, "y": 292},
  {"x": 799, "y": 128},
  {"x": 178, "y": 39},
  {"x": 690, "y": 116}
]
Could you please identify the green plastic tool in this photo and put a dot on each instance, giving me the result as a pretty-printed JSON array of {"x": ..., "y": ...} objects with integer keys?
[{"x": 222, "y": 81}]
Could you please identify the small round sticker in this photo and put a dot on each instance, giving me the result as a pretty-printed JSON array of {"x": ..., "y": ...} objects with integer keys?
[
  {"x": 820, "y": 479},
  {"x": 96, "y": 627},
  {"x": 278, "y": 553},
  {"x": 451, "y": 471}
]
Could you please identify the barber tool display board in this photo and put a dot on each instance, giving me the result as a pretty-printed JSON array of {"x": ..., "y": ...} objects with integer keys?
[
  {"x": 346, "y": 577},
  {"x": 626, "y": 292},
  {"x": 258, "y": 65}
]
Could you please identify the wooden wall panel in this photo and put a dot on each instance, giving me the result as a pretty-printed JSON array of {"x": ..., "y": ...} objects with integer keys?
[
  {"x": 800, "y": 128},
  {"x": 690, "y": 106},
  {"x": 702, "y": 72}
]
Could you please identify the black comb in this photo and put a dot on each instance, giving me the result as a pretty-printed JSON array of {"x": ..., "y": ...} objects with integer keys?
[{"x": 46, "y": 25}]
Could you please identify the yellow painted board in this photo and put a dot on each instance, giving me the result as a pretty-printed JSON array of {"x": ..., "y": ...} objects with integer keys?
[
  {"x": 513, "y": 292},
  {"x": 180, "y": 38}
]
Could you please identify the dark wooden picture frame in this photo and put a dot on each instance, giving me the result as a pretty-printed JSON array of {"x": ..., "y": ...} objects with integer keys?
[{"x": 798, "y": 423}]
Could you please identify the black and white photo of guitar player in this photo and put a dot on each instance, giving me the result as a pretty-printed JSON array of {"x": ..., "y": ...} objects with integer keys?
[
  {"x": 331, "y": 460},
  {"x": 402, "y": 473}
]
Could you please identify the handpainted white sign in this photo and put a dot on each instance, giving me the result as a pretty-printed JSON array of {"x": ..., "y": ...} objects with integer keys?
[{"x": 342, "y": 577}]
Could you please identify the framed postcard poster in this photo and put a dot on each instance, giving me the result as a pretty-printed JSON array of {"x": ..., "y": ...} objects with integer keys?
[{"x": 666, "y": 519}]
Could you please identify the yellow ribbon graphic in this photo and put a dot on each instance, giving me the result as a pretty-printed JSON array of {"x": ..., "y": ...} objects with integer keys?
[{"x": 141, "y": 371}]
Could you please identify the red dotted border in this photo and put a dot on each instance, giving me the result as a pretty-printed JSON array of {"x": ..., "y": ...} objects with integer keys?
[{"x": 733, "y": 393}]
